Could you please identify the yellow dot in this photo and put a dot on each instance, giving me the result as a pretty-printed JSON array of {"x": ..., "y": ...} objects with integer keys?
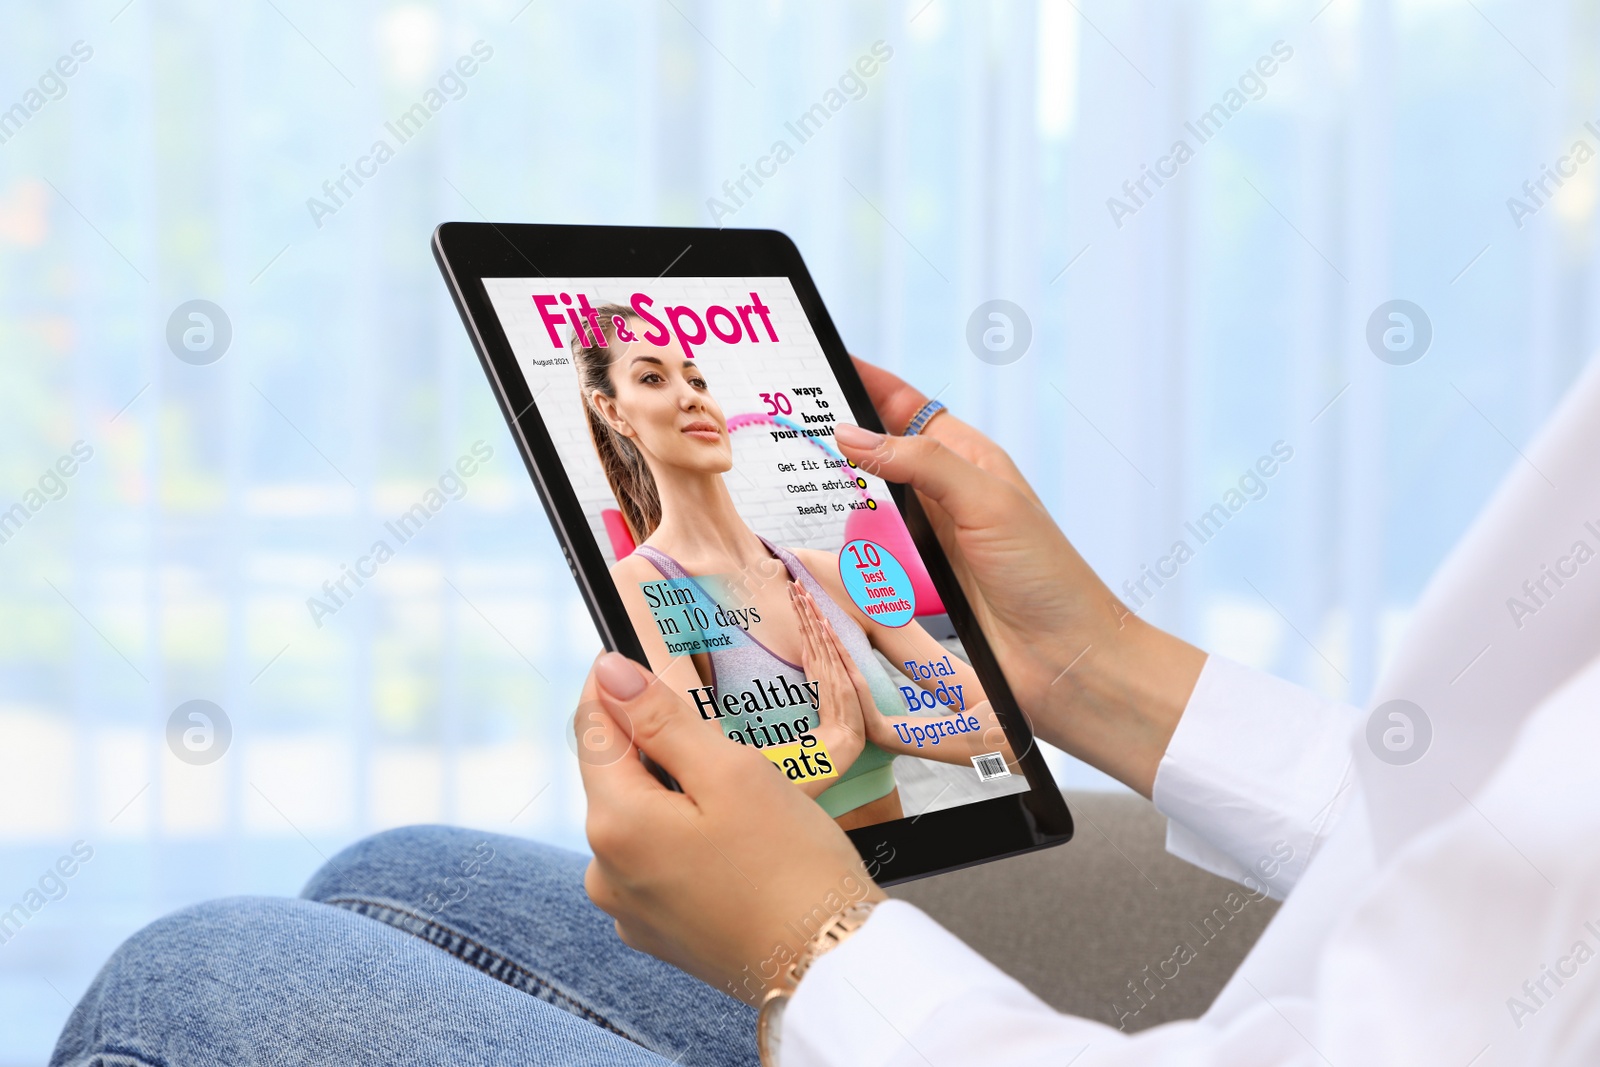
[
  {"x": 851, "y": 462},
  {"x": 872, "y": 505},
  {"x": 861, "y": 483}
]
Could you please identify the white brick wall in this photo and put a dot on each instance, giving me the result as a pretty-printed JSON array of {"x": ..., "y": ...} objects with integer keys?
[{"x": 737, "y": 374}]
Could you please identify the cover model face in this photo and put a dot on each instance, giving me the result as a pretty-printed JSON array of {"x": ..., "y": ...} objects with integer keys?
[{"x": 663, "y": 404}]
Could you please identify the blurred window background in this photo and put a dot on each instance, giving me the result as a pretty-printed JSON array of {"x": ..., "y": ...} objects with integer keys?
[{"x": 1202, "y": 209}]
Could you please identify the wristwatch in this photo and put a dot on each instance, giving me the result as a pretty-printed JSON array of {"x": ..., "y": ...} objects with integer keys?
[{"x": 769, "y": 1024}]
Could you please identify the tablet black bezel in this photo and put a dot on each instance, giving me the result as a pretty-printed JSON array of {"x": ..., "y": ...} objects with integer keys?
[{"x": 467, "y": 252}]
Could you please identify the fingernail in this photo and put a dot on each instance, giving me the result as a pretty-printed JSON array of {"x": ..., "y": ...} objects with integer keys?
[
  {"x": 852, "y": 436},
  {"x": 619, "y": 676}
]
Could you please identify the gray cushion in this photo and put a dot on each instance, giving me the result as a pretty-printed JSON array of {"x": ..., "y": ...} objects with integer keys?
[{"x": 1093, "y": 926}]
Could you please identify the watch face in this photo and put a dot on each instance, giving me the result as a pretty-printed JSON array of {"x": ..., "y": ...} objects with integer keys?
[{"x": 769, "y": 1029}]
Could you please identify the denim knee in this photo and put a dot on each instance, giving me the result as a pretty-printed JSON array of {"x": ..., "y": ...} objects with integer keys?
[
  {"x": 167, "y": 986},
  {"x": 411, "y": 862},
  {"x": 198, "y": 938},
  {"x": 385, "y": 851},
  {"x": 267, "y": 980}
]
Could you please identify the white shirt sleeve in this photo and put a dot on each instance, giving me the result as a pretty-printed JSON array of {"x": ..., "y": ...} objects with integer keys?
[
  {"x": 1255, "y": 776},
  {"x": 1478, "y": 943},
  {"x": 905, "y": 992}
]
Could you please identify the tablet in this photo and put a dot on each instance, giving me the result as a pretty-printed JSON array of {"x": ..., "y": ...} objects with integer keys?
[{"x": 674, "y": 393}]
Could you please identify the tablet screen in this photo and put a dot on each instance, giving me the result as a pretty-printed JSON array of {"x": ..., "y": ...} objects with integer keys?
[{"x": 772, "y": 584}]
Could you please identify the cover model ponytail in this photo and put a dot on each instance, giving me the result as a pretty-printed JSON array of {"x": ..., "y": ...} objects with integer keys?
[{"x": 631, "y": 481}]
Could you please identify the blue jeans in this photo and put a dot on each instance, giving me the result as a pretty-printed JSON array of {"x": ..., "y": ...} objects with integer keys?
[{"x": 429, "y": 945}]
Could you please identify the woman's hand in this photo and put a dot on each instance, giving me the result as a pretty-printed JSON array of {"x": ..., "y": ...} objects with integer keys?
[
  {"x": 722, "y": 879},
  {"x": 1094, "y": 678},
  {"x": 844, "y": 700}
]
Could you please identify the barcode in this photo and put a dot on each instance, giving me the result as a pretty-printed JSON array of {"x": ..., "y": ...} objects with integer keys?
[{"x": 991, "y": 765}]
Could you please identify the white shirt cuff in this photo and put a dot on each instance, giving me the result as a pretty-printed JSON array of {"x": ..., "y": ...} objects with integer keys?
[
  {"x": 902, "y": 989},
  {"x": 1256, "y": 774}
]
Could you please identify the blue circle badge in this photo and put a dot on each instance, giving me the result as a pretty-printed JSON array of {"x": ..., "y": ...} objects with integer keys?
[{"x": 877, "y": 583}]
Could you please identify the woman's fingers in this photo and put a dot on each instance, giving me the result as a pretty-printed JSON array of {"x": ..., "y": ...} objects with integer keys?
[
  {"x": 858, "y": 681},
  {"x": 832, "y": 650},
  {"x": 898, "y": 401},
  {"x": 811, "y": 624},
  {"x": 833, "y": 676},
  {"x": 851, "y": 696},
  {"x": 664, "y": 727},
  {"x": 810, "y": 649},
  {"x": 838, "y": 698},
  {"x": 964, "y": 491},
  {"x": 836, "y": 647},
  {"x": 864, "y": 701},
  {"x": 604, "y": 743},
  {"x": 815, "y": 653},
  {"x": 850, "y": 666}
]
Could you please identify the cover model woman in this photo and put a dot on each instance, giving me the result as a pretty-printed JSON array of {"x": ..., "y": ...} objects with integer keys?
[{"x": 801, "y": 660}]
